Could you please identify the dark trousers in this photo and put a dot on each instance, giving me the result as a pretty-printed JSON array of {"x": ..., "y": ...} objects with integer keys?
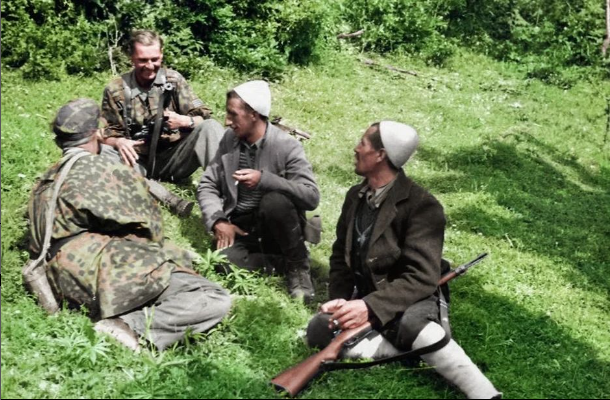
[
  {"x": 401, "y": 333},
  {"x": 275, "y": 235}
]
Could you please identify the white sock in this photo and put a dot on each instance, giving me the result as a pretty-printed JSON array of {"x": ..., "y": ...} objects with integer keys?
[
  {"x": 374, "y": 346},
  {"x": 454, "y": 365}
]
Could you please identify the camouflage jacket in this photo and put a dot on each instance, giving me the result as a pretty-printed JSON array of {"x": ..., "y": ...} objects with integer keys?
[
  {"x": 144, "y": 103},
  {"x": 114, "y": 258}
]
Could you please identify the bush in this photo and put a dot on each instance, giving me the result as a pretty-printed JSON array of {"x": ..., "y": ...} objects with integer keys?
[
  {"x": 51, "y": 38},
  {"x": 558, "y": 33},
  {"x": 412, "y": 26}
]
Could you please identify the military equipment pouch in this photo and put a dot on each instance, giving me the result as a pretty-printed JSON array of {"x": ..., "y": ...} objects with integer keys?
[
  {"x": 34, "y": 276},
  {"x": 312, "y": 231}
]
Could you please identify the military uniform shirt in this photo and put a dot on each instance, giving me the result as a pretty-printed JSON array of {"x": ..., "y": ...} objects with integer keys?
[{"x": 144, "y": 103}]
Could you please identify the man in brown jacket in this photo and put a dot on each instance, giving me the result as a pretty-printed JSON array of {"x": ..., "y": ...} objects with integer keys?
[{"x": 386, "y": 263}]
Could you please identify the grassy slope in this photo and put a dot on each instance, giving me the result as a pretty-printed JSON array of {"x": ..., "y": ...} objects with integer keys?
[{"x": 519, "y": 167}]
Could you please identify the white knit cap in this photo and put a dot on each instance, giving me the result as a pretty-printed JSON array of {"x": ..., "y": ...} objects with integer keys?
[
  {"x": 257, "y": 95},
  {"x": 399, "y": 140}
]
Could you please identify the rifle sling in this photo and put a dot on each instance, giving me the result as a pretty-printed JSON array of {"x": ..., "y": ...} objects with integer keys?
[
  {"x": 152, "y": 152},
  {"x": 333, "y": 366}
]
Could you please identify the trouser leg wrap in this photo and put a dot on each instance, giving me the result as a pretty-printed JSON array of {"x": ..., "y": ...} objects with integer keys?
[{"x": 454, "y": 365}]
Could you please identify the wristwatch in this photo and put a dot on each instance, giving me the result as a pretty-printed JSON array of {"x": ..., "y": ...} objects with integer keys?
[{"x": 192, "y": 124}]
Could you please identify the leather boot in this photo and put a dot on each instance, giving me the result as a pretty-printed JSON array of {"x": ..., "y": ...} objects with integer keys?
[
  {"x": 298, "y": 280},
  {"x": 176, "y": 204}
]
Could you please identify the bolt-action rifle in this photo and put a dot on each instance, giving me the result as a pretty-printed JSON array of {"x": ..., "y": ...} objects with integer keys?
[{"x": 294, "y": 379}]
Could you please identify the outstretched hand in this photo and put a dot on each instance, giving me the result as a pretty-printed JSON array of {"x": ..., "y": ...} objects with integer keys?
[{"x": 225, "y": 232}]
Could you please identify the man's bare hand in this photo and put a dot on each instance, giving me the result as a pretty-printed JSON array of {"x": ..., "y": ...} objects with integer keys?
[
  {"x": 175, "y": 121},
  {"x": 332, "y": 306},
  {"x": 127, "y": 150},
  {"x": 248, "y": 177},
  {"x": 350, "y": 315},
  {"x": 225, "y": 232}
]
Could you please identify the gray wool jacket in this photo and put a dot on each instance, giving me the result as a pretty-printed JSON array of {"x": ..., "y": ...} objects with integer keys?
[{"x": 284, "y": 169}]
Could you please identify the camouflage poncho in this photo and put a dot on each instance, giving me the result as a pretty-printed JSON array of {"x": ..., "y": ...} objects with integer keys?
[{"x": 116, "y": 259}]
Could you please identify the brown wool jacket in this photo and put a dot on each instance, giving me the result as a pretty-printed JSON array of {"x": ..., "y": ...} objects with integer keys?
[{"x": 405, "y": 249}]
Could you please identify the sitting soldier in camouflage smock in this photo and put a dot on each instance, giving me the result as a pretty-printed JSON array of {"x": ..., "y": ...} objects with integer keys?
[
  {"x": 188, "y": 139},
  {"x": 107, "y": 249}
]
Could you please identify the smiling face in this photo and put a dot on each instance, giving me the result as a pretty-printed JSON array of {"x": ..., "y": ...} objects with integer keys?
[{"x": 146, "y": 60}]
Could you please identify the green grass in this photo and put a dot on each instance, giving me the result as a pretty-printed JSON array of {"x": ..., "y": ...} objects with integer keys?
[{"x": 519, "y": 166}]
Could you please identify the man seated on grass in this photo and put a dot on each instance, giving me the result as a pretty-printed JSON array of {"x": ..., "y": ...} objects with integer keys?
[
  {"x": 386, "y": 264},
  {"x": 189, "y": 137},
  {"x": 254, "y": 194},
  {"x": 107, "y": 249}
]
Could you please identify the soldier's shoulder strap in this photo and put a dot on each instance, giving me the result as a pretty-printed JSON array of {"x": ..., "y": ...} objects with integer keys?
[{"x": 127, "y": 107}]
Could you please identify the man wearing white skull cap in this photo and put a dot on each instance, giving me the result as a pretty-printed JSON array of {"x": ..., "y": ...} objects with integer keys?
[
  {"x": 386, "y": 264},
  {"x": 254, "y": 194}
]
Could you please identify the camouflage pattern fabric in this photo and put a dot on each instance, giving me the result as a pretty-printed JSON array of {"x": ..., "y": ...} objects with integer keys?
[
  {"x": 116, "y": 259},
  {"x": 78, "y": 116},
  {"x": 183, "y": 101}
]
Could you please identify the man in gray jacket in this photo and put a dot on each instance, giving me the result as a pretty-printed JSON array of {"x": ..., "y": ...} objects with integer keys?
[{"x": 254, "y": 194}]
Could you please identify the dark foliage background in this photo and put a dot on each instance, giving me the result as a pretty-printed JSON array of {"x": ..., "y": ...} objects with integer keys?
[{"x": 50, "y": 38}]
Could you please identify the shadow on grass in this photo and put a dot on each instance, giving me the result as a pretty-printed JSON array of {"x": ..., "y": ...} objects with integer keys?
[
  {"x": 525, "y": 355},
  {"x": 194, "y": 231},
  {"x": 561, "y": 209}
]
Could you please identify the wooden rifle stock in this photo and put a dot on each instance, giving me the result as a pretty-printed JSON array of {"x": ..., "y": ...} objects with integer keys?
[{"x": 293, "y": 380}]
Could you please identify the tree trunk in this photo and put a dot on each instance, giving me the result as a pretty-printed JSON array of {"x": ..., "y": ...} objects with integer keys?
[{"x": 607, "y": 41}]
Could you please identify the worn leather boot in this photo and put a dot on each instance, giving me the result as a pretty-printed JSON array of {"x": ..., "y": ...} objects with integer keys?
[
  {"x": 176, "y": 204},
  {"x": 298, "y": 280}
]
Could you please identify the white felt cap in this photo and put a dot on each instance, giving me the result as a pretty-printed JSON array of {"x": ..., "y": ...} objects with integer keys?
[{"x": 257, "y": 95}]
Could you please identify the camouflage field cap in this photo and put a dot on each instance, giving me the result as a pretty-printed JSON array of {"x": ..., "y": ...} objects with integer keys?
[{"x": 79, "y": 116}]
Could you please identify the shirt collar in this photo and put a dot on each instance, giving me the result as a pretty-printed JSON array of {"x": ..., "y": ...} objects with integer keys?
[
  {"x": 258, "y": 144},
  {"x": 136, "y": 90},
  {"x": 376, "y": 197}
]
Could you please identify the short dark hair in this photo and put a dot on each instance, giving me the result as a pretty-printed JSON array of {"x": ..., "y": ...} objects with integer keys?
[
  {"x": 145, "y": 38},
  {"x": 375, "y": 139},
  {"x": 232, "y": 94}
]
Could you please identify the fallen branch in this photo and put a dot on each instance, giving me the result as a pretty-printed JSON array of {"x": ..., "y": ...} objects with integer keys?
[
  {"x": 350, "y": 35},
  {"x": 299, "y": 134},
  {"x": 372, "y": 63}
]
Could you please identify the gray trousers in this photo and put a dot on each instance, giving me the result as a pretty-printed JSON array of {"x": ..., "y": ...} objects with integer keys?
[
  {"x": 195, "y": 150},
  {"x": 190, "y": 302},
  {"x": 181, "y": 159}
]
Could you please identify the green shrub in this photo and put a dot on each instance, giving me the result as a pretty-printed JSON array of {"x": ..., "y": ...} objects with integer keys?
[
  {"x": 412, "y": 26},
  {"x": 51, "y": 38}
]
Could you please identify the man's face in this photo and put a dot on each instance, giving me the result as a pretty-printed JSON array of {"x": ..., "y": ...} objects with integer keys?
[
  {"x": 239, "y": 119},
  {"x": 146, "y": 61},
  {"x": 367, "y": 158}
]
